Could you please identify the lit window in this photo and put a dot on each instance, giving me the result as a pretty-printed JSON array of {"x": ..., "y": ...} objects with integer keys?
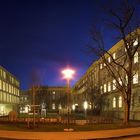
[
  {"x": 109, "y": 86},
  {"x": 135, "y": 78},
  {"x": 120, "y": 81},
  {"x": 53, "y": 95},
  {"x": 3, "y": 86},
  {"x": 10, "y": 88},
  {"x": 18, "y": 92},
  {"x": 0, "y": 84},
  {"x": 0, "y": 96},
  {"x": 114, "y": 84},
  {"x": 109, "y": 59},
  {"x": 104, "y": 87},
  {"x": 136, "y": 57},
  {"x": 101, "y": 89},
  {"x": 60, "y": 106},
  {"x": 4, "y": 74},
  {"x": 8, "y": 98},
  {"x": 126, "y": 79},
  {"x": 114, "y": 102},
  {"x": 125, "y": 50},
  {"x": 120, "y": 101},
  {"x": 101, "y": 66},
  {"x": 7, "y": 87},
  {"x": 4, "y": 96},
  {"x": 114, "y": 55},
  {"x": 53, "y": 106},
  {"x": 135, "y": 42}
]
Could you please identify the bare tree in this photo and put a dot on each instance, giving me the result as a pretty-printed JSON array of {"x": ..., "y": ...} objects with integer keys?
[
  {"x": 121, "y": 67},
  {"x": 95, "y": 99}
]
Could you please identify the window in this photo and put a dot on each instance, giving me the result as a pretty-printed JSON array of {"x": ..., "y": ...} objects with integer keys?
[
  {"x": 114, "y": 84},
  {"x": 0, "y": 84},
  {"x": 114, "y": 102},
  {"x": 135, "y": 78},
  {"x": 109, "y": 59},
  {"x": 3, "y": 86},
  {"x": 7, "y": 87},
  {"x": 135, "y": 42},
  {"x": 10, "y": 88},
  {"x": 114, "y": 55},
  {"x": 120, "y": 101},
  {"x": 125, "y": 50},
  {"x": 53, "y": 95},
  {"x": 0, "y": 96},
  {"x": 4, "y": 74},
  {"x": 136, "y": 57},
  {"x": 18, "y": 92},
  {"x": 126, "y": 80},
  {"x": 4, "y": 96},
  {"x": 109, "y": 86},
  {"x": 120, "y": 81},
  {"x": 53, "y": 106},
  {"x": 104, "y": 88},
  {"x": 59, "y": 106},
  {"x": 8, "y": 98},
  {"x": 101, "y": 89},
  {"x": 101, "y": 66}
]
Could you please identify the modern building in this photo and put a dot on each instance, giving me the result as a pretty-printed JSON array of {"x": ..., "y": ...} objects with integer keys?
[
  {"x": 97, "y": 81},
  {"x": 9, "y": 92}
]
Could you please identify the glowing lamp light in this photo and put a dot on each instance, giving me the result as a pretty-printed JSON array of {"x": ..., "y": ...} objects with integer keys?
[
  {"x": 73, "y": 107},
  {"x": 85, "y": 105},
  {"x": 68, "y": 73}
]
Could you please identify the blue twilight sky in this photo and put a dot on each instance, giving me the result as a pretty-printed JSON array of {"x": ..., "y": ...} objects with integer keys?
[{"x": 44, "y": 37}]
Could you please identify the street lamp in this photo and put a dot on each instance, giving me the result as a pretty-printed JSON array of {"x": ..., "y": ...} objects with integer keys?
[
  {"x": 73, "y": 107},
  {"x": 68, "y": 75},
  {"x": 85, "y": 107}
]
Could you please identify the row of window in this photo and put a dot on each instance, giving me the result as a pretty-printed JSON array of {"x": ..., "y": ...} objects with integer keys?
[
  {"x": 109, "y": 60},
  {"x": 8, "y": 98},
  {"x": 54, "y": 106},
  {"x": 112, "y": 85},
  {"x": 8, "y": 88},
  {"x": 11, "y": 79},
  {"x": 101, "y": 65},
  {"x": 120, "y": 102},
  {"x": 136, "y": 59}
]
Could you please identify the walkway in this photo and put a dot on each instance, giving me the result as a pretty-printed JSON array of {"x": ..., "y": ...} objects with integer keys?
[{"x": 70, "y": 135}]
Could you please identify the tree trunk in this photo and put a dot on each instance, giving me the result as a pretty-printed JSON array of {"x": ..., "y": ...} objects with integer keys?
[{"x": 126, "y": 113}]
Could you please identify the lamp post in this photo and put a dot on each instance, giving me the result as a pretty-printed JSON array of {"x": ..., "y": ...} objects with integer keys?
[{"x": 68, "y": 75}]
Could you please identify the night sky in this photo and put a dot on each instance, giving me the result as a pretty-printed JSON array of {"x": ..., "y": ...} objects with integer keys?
[{"x": 44, "y": 37}]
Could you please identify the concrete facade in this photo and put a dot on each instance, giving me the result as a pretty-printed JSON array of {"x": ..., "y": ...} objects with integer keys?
[
  {"x": 97, "y": 80},
  {"x": 9, "y": 92}
]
